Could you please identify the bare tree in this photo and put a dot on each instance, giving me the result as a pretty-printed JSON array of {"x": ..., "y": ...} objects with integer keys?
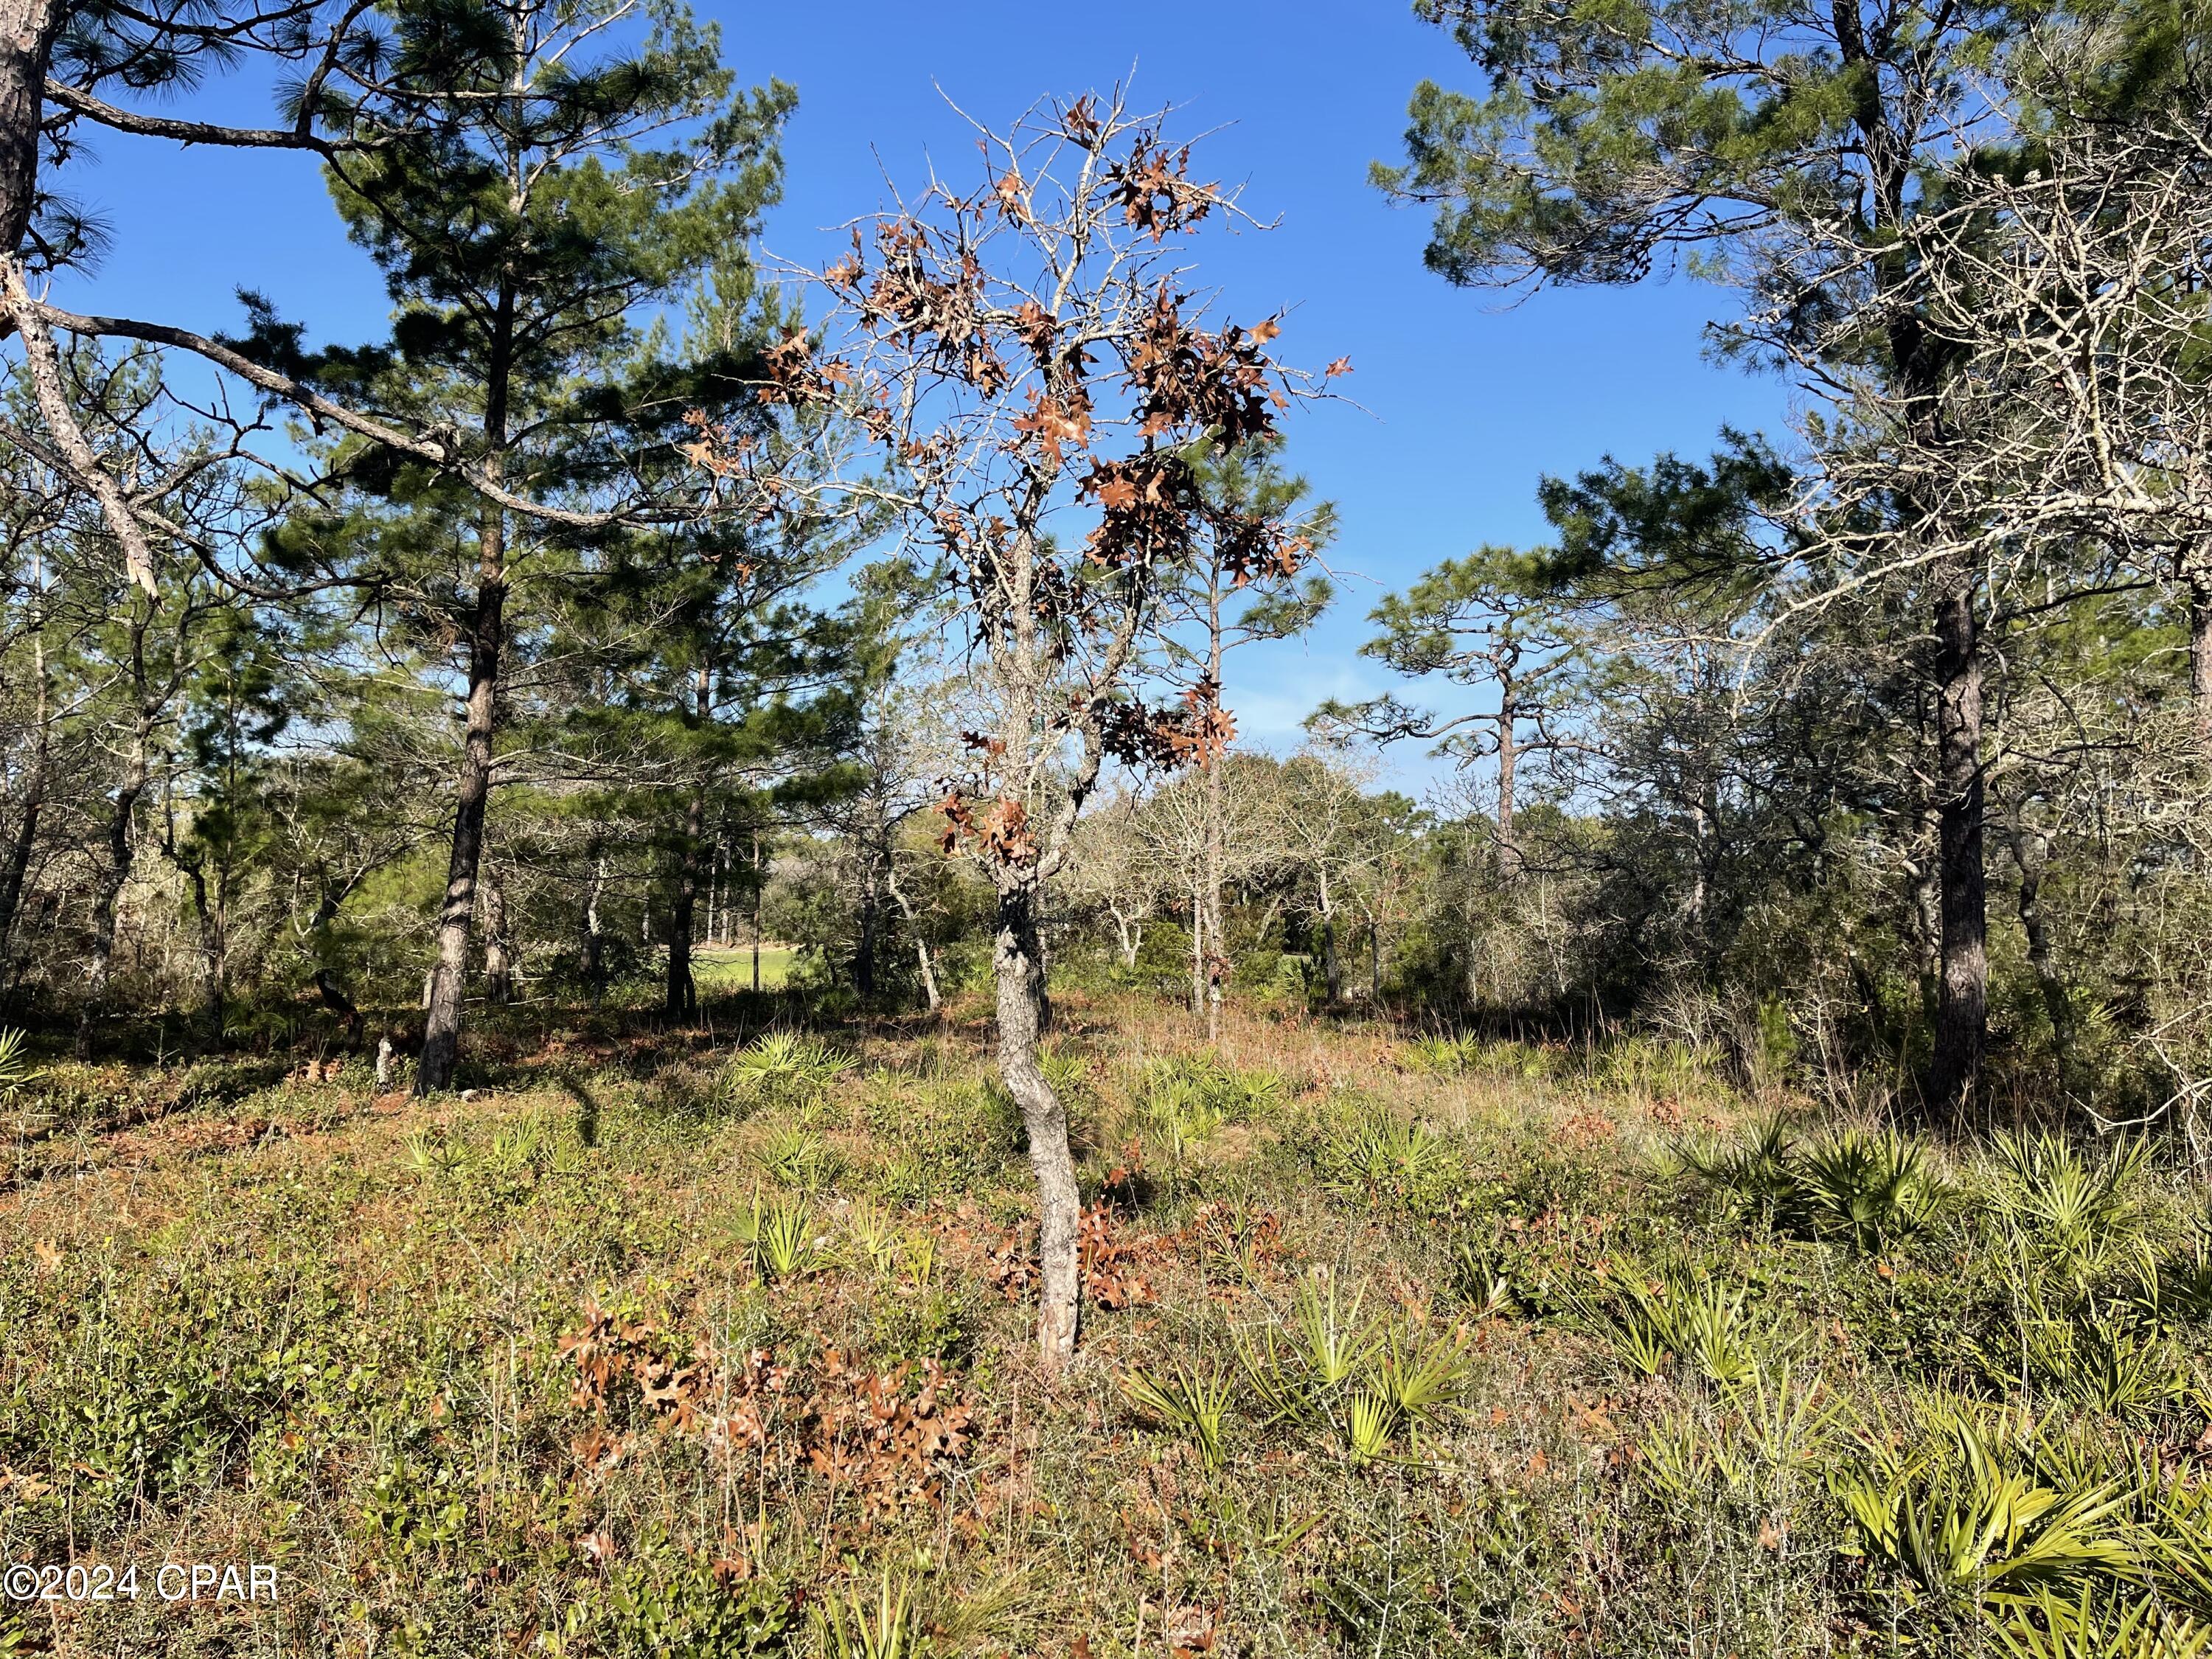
[
  {"x": 997, "y": 340},
  {"x": 1208, "y": 827},
  {"x": 1111, "y": 870},
  {"x": 1325, "y": 823}
]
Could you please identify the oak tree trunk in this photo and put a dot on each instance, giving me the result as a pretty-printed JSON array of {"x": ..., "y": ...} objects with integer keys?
[
  {"x": 921, "y": 940},
  {"x": 595, "y": 939},
  {"x": 1018, "y": 963},
  {"x": 2200, "y": 648}
]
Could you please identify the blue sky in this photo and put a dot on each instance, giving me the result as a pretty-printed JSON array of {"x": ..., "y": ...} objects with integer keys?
[{"x": 1464, "y": 404}]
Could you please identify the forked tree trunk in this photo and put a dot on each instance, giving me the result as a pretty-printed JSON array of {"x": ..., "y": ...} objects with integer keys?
[
  {"x": 1018, "y": 963},
  {"x": 1962, "y": 991},
  {"x": 914, "y": 926},
  {"x": 1129, "y": 935}
]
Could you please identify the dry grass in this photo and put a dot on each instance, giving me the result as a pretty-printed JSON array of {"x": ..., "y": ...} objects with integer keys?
[{"x": 622, "y": 1356}]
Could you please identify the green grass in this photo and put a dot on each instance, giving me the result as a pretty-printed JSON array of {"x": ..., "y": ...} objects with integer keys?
[{"x": 716, "y": 971}]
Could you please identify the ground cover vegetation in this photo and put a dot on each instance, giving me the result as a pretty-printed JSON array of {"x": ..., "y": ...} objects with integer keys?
[{"x": 649, "y": 1006}]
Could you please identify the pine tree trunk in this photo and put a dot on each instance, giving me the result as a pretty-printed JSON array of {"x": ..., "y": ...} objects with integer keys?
[
  {"x": 1508, "y": 762},
  {"x": 499, "y": 944},
  {"x": 441, "y": 1028},
  {"x": 441, "y": 1024},
  {"x": 225, "y": 884},
  {"x": 1018, "y": 963},
  {"x": 27, "y": 28},
  {"x": 1197, "y": 951},
  {"x": 1217, "y": 963},
  {"x": 1962, "y": 992},
  {"x": 14, "y": 869},
  {"x": 759, "y": 882},
  {"x": 682, "y": 1000}
]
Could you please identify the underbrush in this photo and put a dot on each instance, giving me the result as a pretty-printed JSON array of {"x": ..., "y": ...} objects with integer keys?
[{"x": 1391, "y": 1347}]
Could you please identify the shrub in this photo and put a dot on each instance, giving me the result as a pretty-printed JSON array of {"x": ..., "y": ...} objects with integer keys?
[
  {"x": 1867, "y": 1190},
  {"x": 1383, "y": 1159},
  {"x": 783, "y": 1069}
]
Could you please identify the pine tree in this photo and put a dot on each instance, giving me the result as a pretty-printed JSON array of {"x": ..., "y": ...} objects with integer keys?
[{"x": 525, "y": 221}]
